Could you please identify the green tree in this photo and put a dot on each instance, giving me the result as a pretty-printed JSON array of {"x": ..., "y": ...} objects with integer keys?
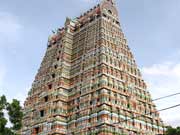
[
  {"x": 172, "y": 131},
  {"x": 15, "y": 116}
]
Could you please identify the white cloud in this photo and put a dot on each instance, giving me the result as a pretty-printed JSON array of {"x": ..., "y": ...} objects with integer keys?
[
  {"x": 164, "y": 69},
  {"x": 10, "y": 28},
  {"x": 164, "y": 79}
]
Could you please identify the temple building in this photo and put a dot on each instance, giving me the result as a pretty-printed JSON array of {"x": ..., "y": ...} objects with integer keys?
[{"x": 88, "y": 82}]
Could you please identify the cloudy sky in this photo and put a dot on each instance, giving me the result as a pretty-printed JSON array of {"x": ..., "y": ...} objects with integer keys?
[{"x": 151, "y": 27}]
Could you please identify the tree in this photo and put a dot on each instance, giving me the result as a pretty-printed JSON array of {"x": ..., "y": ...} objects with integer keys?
[
  {"x": 15, "y": 116},
  {"x": 172, "y": 131}
]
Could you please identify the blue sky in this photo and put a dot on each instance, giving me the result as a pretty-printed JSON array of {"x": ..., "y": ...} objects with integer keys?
[{"x": 151, "y": 27}]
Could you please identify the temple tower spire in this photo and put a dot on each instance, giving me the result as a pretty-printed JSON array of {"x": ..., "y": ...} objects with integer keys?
[
  {"x": 108, "y": 8},
  {"x": 112, "y": 1}
]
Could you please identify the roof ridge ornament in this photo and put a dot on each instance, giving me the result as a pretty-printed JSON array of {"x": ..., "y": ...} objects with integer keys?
[{"x": 112, "y": 1}]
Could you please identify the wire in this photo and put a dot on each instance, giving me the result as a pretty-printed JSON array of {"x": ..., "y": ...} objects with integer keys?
[
  {"x": 166, "y": 96},
  {"x": 150, "y": 113},
  {"x": 157, "y": 110}
]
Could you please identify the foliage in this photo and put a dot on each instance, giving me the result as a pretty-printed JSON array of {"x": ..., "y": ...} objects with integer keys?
[
  {"x": 15, "y": 114},
  {"x": 173, "y": 131}
]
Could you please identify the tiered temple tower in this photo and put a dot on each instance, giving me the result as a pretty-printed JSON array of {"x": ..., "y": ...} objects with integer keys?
[{"x": 88, "y": 82}]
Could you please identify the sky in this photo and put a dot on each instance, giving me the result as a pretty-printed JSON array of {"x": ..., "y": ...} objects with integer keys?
[{"x": 150, "y": 26}]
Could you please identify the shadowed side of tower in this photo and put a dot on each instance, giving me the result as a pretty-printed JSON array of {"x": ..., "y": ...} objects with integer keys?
[{"x": 89, "y": 83}]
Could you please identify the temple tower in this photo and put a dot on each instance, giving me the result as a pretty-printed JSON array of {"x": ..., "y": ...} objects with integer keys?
[{"x": 88, "y": 82}]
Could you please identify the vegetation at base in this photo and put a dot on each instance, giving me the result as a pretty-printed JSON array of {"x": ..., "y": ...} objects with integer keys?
[
  {"x": 172, "y": 131},
  {"x": 14, "y": 111}
]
